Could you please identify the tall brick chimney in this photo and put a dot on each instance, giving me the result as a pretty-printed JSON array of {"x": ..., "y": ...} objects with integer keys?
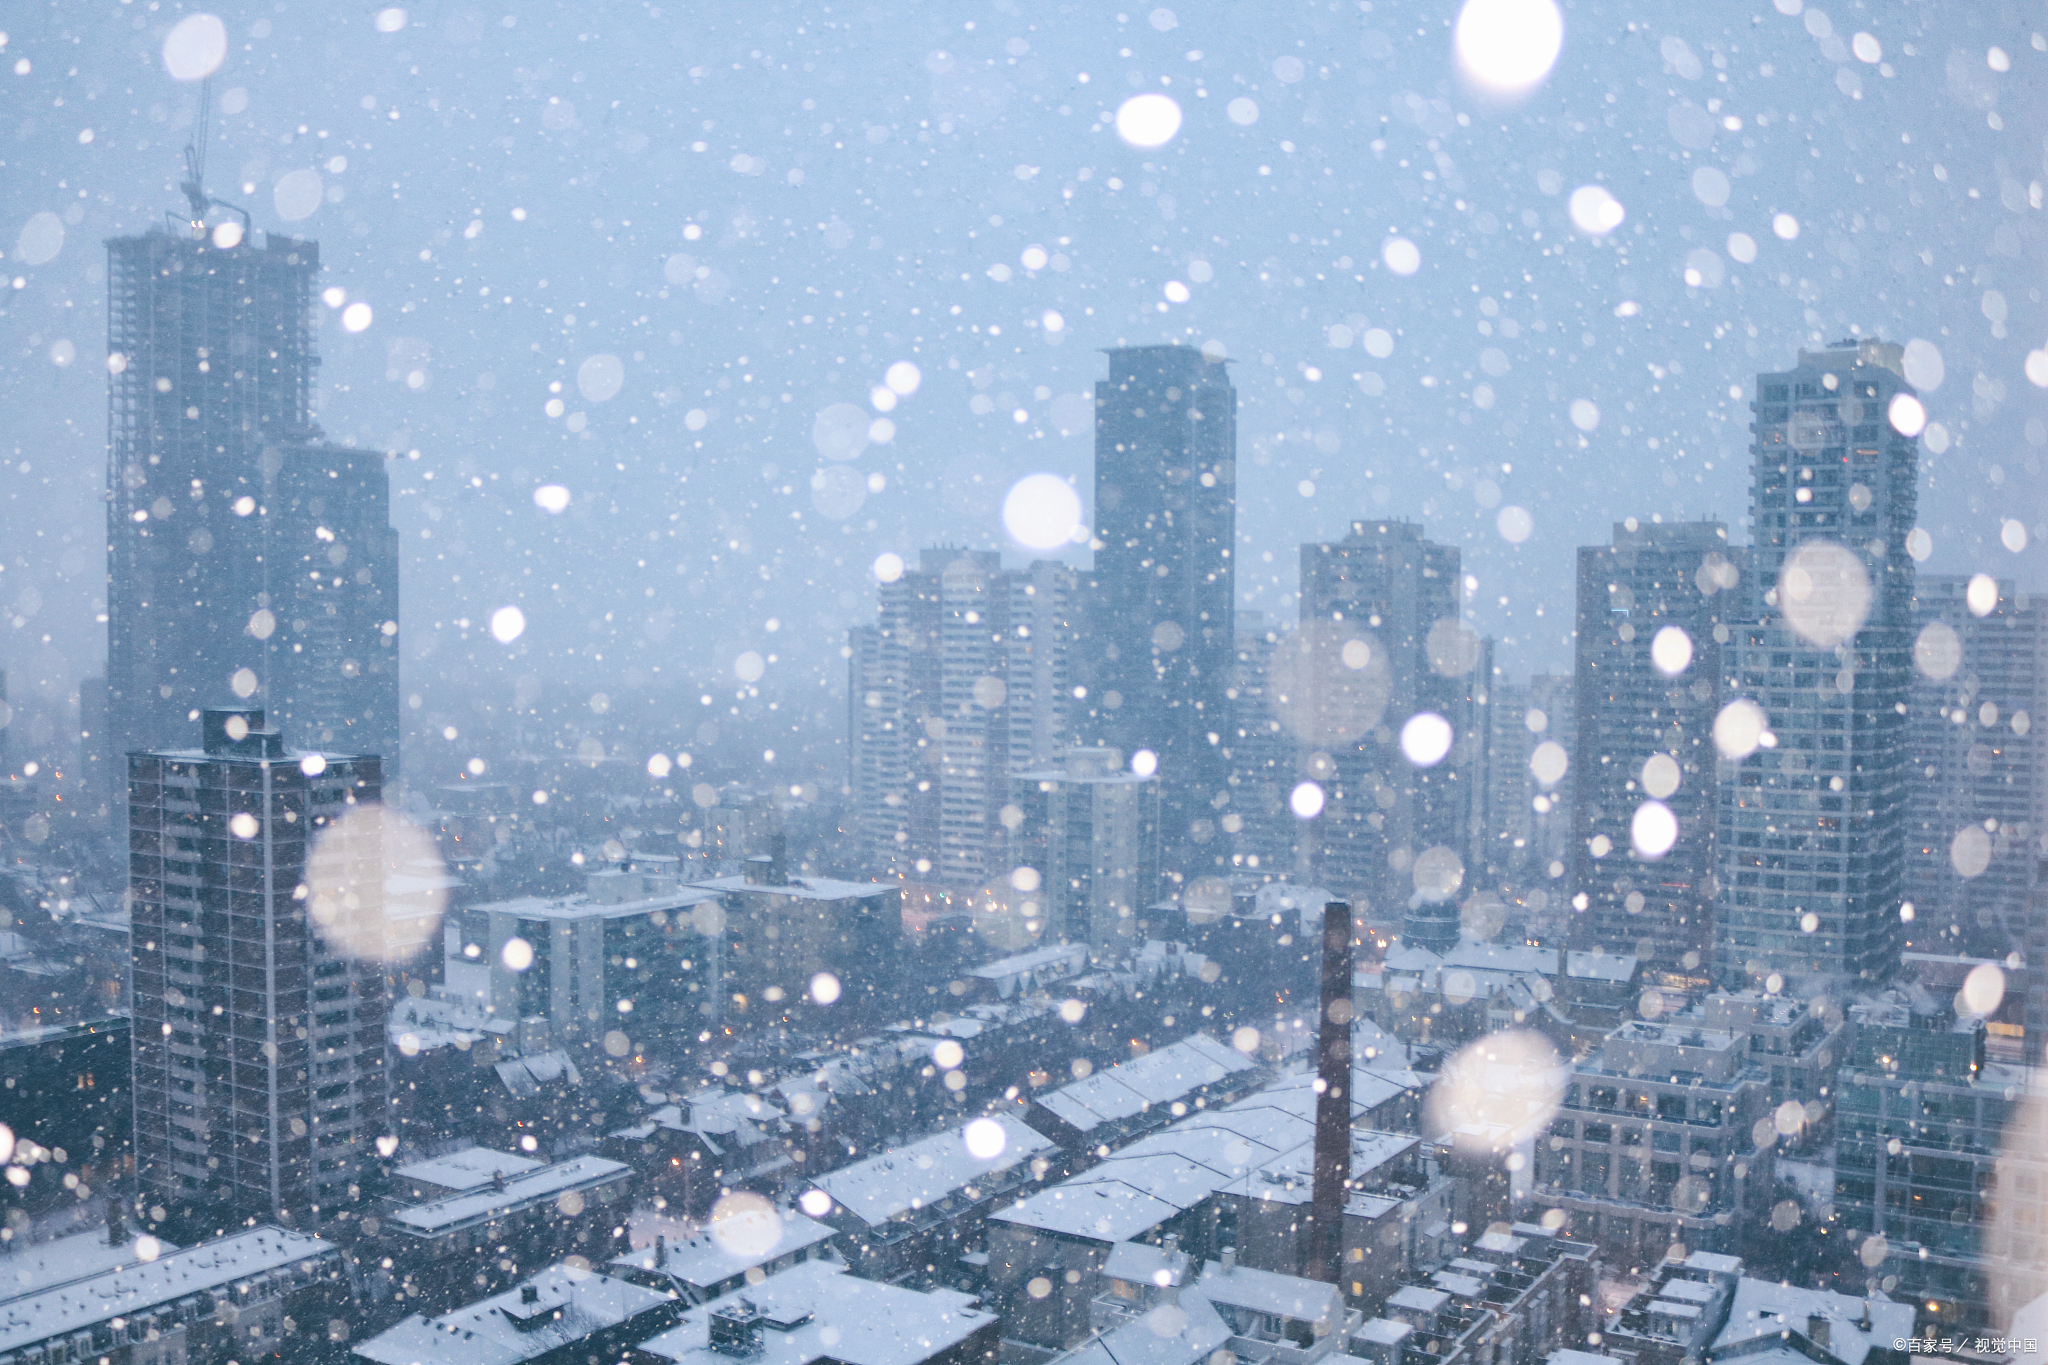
[{"x": 1333, "y": 1099}]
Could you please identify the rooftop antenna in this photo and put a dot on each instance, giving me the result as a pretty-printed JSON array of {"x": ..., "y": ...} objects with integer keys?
[{"x": 194, "y": 183}]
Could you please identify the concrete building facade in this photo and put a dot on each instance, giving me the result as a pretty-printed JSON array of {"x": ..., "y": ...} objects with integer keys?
[
  {"x": 1089, "y": 828},
  {"x": 1811, "y": 860},
  {"x": 1161, "y": 594},
  {"x": 1976, "y": 784},
  {"x": 1382, "y": 641},
  {"x": 256, "y": 877},
  {"x": 1652, "y": 611}
]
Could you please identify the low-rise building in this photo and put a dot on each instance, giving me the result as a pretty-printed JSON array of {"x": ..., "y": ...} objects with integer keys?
[
  {"x": 816, "y": 1314},
  {"x": 1677, "y": 1311},
  {"x": 708, "y": 1265},
  {"x": 1770, "y": 1323},
  {"x": 1702, "y": 1308},
  {"x": 1513, "y": 1297},
  {"x": 1796, "y": 1046},
  {"x": 1657, "y": 1143},
  {"x": 1187, "y": 1330},
  {"x": 483, "y": 1218},
  {"x": 703, "y": 1145},
  {"x": 918, "y": 1208},
  {"x": 1272, "y": 1319},
  {"x": 1449, "y": 997},
  {"x": 142, "y": 1301},
  {"x": 1235, "y": 1176},
  {"x": 1113, "y": 1105},
  {"x": 630, "y": 956},
  {"x": 558, "y": 1317},
  {"x": 781, "y": 930},
  {"x": 87, "y": 1063},
  {"x": 461, "y": 1171},
  {"x": 1944, "y": 1154},
  {"x": 1027, "y": 973}
]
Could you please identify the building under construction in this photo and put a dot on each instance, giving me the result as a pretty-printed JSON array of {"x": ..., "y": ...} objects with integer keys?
[{"x": 249, "y": 561}]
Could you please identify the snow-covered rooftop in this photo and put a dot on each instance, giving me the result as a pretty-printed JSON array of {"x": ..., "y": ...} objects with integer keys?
[
  {"x": 922, "y": 1173},
  {"x": 1855, "y": 1325},
  {"x": 570, "y": 909},
  {"x": 799, "y": 888},
  {"x": 136, "y": 1287},
  {"x": 815, "y": 1311},
  {"x": 437, "y": 1216},
  {"x": 466, "y": 1169},
  {"x": 1132, "y": 1087},
  {"x": 1269, "y": 1292},
  {"x": 710, "y": 1258},
  {"x": 28, "y": 1268},
  {"x": 569, "y": 1306}
]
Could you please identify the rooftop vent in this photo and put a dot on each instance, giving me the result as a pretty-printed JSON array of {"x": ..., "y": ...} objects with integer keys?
[{"x": 736, "y": 1330}]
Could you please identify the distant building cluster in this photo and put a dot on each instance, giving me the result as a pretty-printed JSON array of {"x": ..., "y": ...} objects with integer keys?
[{"x": 1688, "y": 1011}]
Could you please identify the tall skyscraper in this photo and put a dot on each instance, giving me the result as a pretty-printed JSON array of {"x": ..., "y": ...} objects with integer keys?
[
  {"x": 1812, "y": 831},
  {"x": 1263, "y": 834},
  {"x": 257, "y": 884},
  {"x": 961, "y": 683},
  {"x": 330, "y": 663},
  {"x": 246, "y": 557},
  {"x": 1975, "y": 786},
  {"x": 893, "y": 685},
  {"x": 1528, "y": 838},
  {"x": 1652, "y": 612},
  {"x": 1162, "y": 592},
  {"x": 1381, "y": 643}
]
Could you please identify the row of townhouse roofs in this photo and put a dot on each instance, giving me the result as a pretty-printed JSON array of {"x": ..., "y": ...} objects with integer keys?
[
  {"x": 1667, "y": 1129},
  {"x": 768, "y": 1285},
  {"x": 1078, "y": 1222}
]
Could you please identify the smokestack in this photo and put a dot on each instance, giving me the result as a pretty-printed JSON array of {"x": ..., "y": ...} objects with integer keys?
[{"x": 1333, "y": 1099}]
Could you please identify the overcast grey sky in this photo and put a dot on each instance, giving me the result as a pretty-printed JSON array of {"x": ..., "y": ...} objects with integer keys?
[{"x": 757, "y": 210}]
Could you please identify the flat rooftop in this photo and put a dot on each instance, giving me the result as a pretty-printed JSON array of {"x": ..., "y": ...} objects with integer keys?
[
  {"x": 815, "y": 1311},
  {"x": 467, "y": 1169},
  {"x": 504, "y": 1329},
  {"x": 136, "y": 1287},
  {"x": 489, "y": 1201},
  {"x": 801, "y": 888},
  {"x": 30, "y": 1268},
  {"x": 710, "y": 1258},
  {"x": 571, "y": 909}
]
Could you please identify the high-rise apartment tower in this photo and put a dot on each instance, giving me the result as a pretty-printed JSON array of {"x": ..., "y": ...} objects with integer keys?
[
  {"x": 1975, "y": 785},
  {"x": 257, "y": 880},
  {"x": 1161, "y": 595},
  {"x": 1381, "y": 643},
  {"x": 1812, "y": 831},
  {"x": 961, "y": 682},
  {"x": 1652, "y": 612}
]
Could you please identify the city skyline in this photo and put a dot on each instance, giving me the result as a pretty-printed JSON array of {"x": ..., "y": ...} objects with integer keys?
[
  {"x": 1531, "y": 160},
  {"x": 966, "y": 687}
]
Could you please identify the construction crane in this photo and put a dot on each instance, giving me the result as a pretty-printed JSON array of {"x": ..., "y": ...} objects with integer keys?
[{"x": 194, "y": 184}]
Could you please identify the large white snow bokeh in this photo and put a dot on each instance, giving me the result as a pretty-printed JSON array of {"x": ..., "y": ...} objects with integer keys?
[
  {"x": 1507, "y": 47},
  {"x": 373, "y": 879},
  {"x": 1824, "y": 592},
  {"x": 1042, "y": 512},
  {"x": 1148, "y": 120},
  {"x": 195, "y": 47}
]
